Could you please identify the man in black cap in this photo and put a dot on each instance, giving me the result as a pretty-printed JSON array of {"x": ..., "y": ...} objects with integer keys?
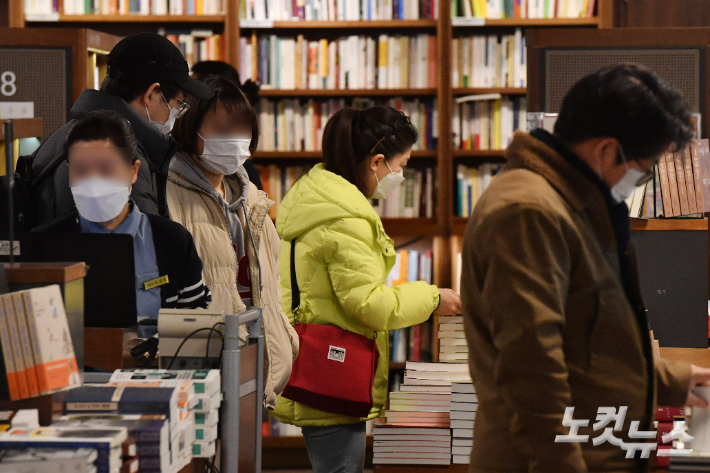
[{"x": 147, "y": 80}]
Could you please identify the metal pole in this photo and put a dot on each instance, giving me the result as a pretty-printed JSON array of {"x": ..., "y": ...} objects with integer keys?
[
  {"x": 230, "y": 388},
  {"x": 10, "y": 183},
  {"x": 255, "y": 333}
]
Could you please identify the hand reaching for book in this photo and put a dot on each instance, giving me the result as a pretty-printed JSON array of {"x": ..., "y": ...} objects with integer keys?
[
  {"x": 698, "y": 377},
  {"x": 449, "y": 303}
]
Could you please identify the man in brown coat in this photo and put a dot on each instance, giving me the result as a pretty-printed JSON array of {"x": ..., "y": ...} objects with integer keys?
[{"x": 552, "y": 309}]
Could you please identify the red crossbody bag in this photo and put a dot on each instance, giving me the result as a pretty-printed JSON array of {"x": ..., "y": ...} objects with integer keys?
[{"x": 335, "y": 368}]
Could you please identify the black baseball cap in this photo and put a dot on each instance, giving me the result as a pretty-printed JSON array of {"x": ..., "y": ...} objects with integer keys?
[{"x": 150, "y": 57}]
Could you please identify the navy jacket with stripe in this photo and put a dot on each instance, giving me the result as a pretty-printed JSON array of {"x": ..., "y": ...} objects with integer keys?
[{"x": 176, "y": 256}]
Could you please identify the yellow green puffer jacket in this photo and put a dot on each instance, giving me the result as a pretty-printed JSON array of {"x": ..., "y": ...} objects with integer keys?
[{"x": 342, "y": 259}]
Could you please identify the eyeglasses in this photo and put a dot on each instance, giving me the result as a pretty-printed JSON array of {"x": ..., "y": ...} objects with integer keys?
[
  {"x": 647, "y": 176},
  {"x": 647, "y": 173},
  {"x": 182, "y": 108}
]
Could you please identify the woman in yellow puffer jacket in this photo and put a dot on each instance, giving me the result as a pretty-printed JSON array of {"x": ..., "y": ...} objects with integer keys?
[{"x": 342, "y": 258}]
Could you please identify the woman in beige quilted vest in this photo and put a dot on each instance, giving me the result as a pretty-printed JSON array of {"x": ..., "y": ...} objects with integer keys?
[{"x": 210, "y": 194}]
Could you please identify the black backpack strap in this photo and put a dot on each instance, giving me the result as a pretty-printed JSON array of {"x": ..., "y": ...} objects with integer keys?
[{"x": 295, "y": 293}]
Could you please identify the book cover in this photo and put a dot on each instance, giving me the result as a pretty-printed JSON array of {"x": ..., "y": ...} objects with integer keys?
[
  {"x": 682, "y": 188},
  {"x": 697, "y": 176},
  {"x": 16, "y": 342},
  {"x": 26, "y": 344},
  {"x": 665, "y": 186},
  {"x": 8, "y": 361},
  {"x": 56, "y": 366},
  {"x": 120, "y": 400},
  {"x": 690, "y": 181},
  {"x": 673, "y": 184}
]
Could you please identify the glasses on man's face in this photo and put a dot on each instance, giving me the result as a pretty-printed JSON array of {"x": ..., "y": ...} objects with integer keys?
[
  {"x": 182, "y": 107},
  {"x": 647, "y": 176}
]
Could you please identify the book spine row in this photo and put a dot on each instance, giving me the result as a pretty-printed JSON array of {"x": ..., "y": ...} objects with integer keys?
[
  {"x": 277, "y": 180},
  {"x": 497, "y": 9},
  {"x": 350, "y": 62},
  {"x": 470, "y": 184},
  {"x": 488, "y": 124},
  {"x": 415, "y": 198},
  {"x": 197, "y": 45},
  {"x": 338, "y": 10},
  {"x": 489, "y": 61},
  {"x": 297, "y": 125},
  {"x": 124, "y": 7},
  {"x": 684, "y": 178},
  {"x": 413, "y": 343}
]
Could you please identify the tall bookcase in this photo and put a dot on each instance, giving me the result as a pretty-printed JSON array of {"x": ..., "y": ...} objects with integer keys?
[{"x": 445, "y": 230}]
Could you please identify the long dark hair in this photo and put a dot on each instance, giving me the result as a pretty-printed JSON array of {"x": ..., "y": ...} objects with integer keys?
[
  {"x": 100, "y": 125},
  {"x": 230, "y": 95},
  {"x": 352, "y": 136}
]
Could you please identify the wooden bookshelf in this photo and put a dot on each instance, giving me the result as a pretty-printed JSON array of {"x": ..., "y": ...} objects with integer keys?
[
  {"x": 531, "y": 22},
  {"x": 397, "y": 366},
  {"x": 309, "y": 155},
  {"x": 337, "y": 25},
  {"x": 490, "y": 90},
  {"x": 489, "y": 154},
  {"x": 420, "y": 469},
  {"x": 306, "y": 93},
  {"x": 411, "y": 226},
  {"x": 133, "y": 18},
  {"x": 669, "y": 224}
]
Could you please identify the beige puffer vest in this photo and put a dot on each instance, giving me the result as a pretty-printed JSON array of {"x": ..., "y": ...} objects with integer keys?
[{"x": 203, "y": 217}]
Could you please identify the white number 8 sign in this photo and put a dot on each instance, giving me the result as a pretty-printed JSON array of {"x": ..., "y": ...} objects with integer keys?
[{"x": 7, "y": 83}]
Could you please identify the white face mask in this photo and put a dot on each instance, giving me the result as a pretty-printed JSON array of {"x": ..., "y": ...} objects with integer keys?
[
  {"x": 626, "y": 186},
  {"x": 167, "y": 127},
  {"x": 388, "y": 184},
  {"x": 224, "y": 155},
  {"x": 100, "y": 199}
]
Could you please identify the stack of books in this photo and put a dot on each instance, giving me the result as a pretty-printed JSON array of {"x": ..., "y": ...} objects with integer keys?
[
  {"x": 411, "y": 445},
  {"x": 37, "y": 351},
  {"x": 137, "y": 400},
  {"x": 337, "y": 10},
  {"x": 487, "y": 122},
  {"x": 107, "y": 442},
  {"x": 123, "y": 7},
  {"x": 453, "y": 347},
  {"x": 489, "y": 61},
  {"x": 685, "y": 180},
  {"x": 464, "y": 404},
  {"x": 665, "y": 417},
  {"x": 199, "y": 396},
  {"x": 351, "y": 62},
  {"x": 297, "y": 125},
  {"x": 150, "y": 432},
  {"x": 41, "y": 460},
  {"x": 497, "y": 9},
  {"x": 197, "y": 45},
  {"x": 411, "y": 410},
  {"x": 470, "y": 184}
]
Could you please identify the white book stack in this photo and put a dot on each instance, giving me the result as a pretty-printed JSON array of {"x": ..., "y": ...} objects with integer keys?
[
  {"x": 453, "y": 347},
  {"x": 411, "y": 446},
  {"x": 464, "y": 405},
  {"x": 199, "y": 399}
]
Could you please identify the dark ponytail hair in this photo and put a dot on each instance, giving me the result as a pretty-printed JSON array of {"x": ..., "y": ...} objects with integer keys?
[
  {"x": 104, "y": 125},
  {"x": 352, "y": 136}
]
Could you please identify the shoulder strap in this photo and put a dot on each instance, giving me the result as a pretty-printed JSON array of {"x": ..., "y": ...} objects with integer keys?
[{"x": 295, "y": 293}]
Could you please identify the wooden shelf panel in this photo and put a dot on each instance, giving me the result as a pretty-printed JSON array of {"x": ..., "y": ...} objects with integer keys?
[
  {"x": 420, "y": 469},
  {"x": 134, "y": 18},
  {"x": 475, "y": 153},
  {"x": 295, "y": 155},
  {"x": 528, "y": 22},
  {"x": 490, "y": 90},
  {"x": 669, "y": 224},
  {"x": 398, "y": 365},
  {"x": 23, "y": 128},
  {"x": 318, "y": 25},
  {"x": 411, "y": 227},
  {"x": 346, "y": 92}
]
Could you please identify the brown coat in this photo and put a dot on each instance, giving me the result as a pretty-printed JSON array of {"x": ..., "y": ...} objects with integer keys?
[{"x": 548, "y": 322}]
